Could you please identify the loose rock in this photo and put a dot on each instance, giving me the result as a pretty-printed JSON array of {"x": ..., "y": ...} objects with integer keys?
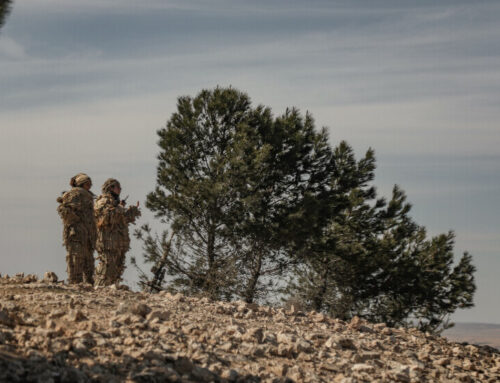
[{"x": 77, "y": 334}]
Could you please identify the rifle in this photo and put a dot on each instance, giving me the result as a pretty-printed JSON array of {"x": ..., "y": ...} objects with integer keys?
[{"x": 123, "y": 202}]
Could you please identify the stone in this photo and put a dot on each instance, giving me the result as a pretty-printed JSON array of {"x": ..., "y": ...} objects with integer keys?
[
  {"x": 302, "y": 345},
  {"x": 329, "y": 367},
  {"x": 50, "y": 324},
  {"x": 139, "y": 309},
  {"x": 331, "y": 342},
  {"x": 386, "y": 331},
  {"x": 4, "y": 337},
  {"x": 178, "y": 298},
  {"x": 75, "y": 316},
  {"x": 153, "y": 354},
  {"x": 363, "y": 367},
  {"x": 82, "y": 345},
  {"x": 73, "y": 333},
  {"x": 50, "y": 277},
  {"x": 230, "y": 375},
  {"x": 279, "y": 369},
  {"x": 355, "y": 323},
  {"x": 285, "y": 350},
  {"x": 57, "y": 314},
  {"x": 161, "y": 315},
  {"x": 129, "y": 341},
  {"x": 30, "y": 278},
  {"x": 235, "y": 330},
  {"x": 5, "y": 318},
  {"x": 340, "y": 342},
  {"x": 91, "y": 326},
  {"x": 202, "y": 374},
  {"x": 320, "y": 318},
  {"x": 183, "y": 366},
  {"x": 286, "y": 338},
  {"x": 467, "y": 365},
  {"x": 400, "y": 373},
  {"x": 296, "y": 373},
  {"x": 369, "y": 355},
  {"x": 255, "y": 335},
  {"x": 227, "y": 346},
  {"x": 442, "y": 362}
]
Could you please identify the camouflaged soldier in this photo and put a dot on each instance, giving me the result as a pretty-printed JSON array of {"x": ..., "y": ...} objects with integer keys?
[
  {"x": 76, "y": 208},
  {"x": 113, "y": 240}
]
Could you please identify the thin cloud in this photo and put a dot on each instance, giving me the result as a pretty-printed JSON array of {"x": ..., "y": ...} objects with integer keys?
[{"x": 11, "y": 50}]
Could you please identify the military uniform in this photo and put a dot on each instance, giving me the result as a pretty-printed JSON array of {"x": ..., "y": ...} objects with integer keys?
[
  {"x": 79, "y": 233},
  {"x": 113, "y": 239}
]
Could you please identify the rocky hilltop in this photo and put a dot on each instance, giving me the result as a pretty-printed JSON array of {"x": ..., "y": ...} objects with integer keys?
[{"x": 51, "y": 332}]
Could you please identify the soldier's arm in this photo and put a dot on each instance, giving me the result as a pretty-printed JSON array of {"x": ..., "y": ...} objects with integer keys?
[
  {"x": 132, "y": 213},
  {"x": 107, "y": 214},
  {"x": 68, "y": 209},
  {"x": 68, "y": 215}
]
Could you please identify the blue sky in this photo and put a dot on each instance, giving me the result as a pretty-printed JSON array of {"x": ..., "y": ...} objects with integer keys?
[{"x": 85, "y": 85}]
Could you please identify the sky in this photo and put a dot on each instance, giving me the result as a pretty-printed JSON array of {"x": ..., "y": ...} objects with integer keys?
[{"x": 84, "y": 86}]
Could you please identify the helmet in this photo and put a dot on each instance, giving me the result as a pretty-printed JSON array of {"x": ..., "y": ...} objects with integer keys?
[
  {"x": 79, "y": 180},
  {"x": 109, "y": 185}
]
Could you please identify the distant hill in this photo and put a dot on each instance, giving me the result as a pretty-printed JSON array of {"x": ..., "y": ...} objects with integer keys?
[{"x": 475, "y": 333}]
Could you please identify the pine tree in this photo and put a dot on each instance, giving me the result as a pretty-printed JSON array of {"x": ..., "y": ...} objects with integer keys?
[
  {"x": 242, "y": 191},
  {"x": 251, "y": 198},
  {"x": 374, "y": 261},
  {"x": 194, "y": 193},
  {"x": 286, "y": 201}
]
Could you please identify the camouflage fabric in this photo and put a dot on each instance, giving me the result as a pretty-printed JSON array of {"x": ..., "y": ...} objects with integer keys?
[
  {"x": 79, "y": 180},
  {"x": 79, "y": 233},
  {"x": 113, "y": 239},
  {"x": 108, "y": 186}
]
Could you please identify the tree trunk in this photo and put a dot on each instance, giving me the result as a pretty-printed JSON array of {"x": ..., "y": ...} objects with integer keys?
[
  {"x": 159, "y": 268},
  {"x": 320, "y": 296},
  {"x": 210, "y": 281},
  {"x": 254, "y": 278}
]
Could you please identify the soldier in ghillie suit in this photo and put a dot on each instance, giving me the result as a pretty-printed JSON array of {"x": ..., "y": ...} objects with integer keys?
[
  {"x": 113, "y": 240},
  {"x": 76, "y": 208}
]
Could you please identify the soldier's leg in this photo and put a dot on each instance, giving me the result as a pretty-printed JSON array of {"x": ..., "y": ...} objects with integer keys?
[
  {"x": 118, "y": 266},
  {"x": 73, "y": 261},
  {"x": 101, "y": 269},
  {"x": 88, "y": 266},
  {"x": 113, "y": 267},
  {"x": 122, "y": 265},
  {"x": 110, "y": 268}
]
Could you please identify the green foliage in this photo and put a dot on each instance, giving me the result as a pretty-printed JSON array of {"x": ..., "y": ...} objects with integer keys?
[
  {"x": 194, "y": 193},
  {"x": 5, "y": 8},
  {"x": 374, "y": 261},
  {"x": 252, "y": 199},
  {"x": 241, "y": 189},
  {"x": 285, "y": 198}
]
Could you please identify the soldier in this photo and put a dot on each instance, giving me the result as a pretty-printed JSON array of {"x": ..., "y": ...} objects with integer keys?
[
  {"x": 112, "y": 232},
  {"x": 79, "y": 233}
]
